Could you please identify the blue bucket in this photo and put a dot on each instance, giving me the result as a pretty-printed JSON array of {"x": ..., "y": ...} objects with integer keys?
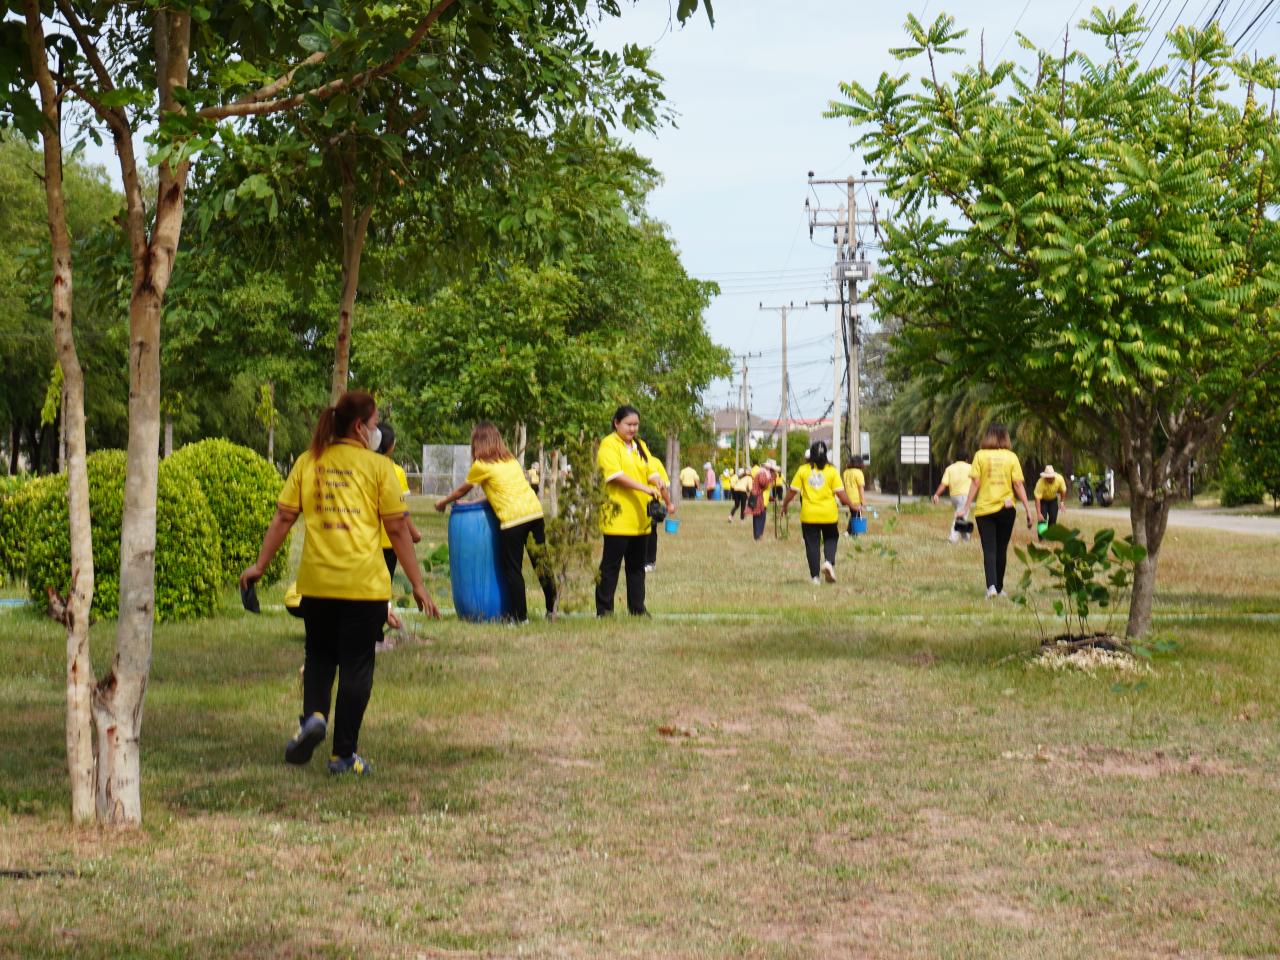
[
  {"x": 716, "y": 493},
  {"x": 478, "y": 589},
  {"x": 857, "y": 525},
  {"x": 671, "y": 525}
]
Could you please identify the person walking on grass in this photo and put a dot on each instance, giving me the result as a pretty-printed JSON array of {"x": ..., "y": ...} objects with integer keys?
[
  {"x": 758, "y": 499},
  {"x": 855, "y": 483},
  {"x": 821, "y": 492},
  {"x": 345, "y": 493},
  {"x": 1050, "y": 494},
  {"x": 631, "y": 484},
  {"x": 740, "y": 484},
  {"x": 955, "y": 480},
  {"x": 996, "y": 479},
  {"x": 708, "y": 480},
  {"x": 387, "y": 448},
  {"x": 689, "y": 483},
  {"x": 495, "y": 469}
]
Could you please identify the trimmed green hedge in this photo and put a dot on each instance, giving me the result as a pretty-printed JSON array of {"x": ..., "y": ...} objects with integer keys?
[
  {"x": 242, "y": 489},
  {"x": 17, "y": 495},
  {"x": 188, "y": 546}
]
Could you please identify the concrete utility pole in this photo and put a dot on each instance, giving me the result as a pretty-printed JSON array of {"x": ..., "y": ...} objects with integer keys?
[
  {"x": 850, "y": 267},
  {"x": 786, "y": 386}
]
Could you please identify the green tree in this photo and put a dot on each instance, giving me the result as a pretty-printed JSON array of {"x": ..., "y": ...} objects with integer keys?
[{"x": 1091, "y": 238}]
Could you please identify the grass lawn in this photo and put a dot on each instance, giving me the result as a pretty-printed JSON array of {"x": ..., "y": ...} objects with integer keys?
[{"x": 764, "y": 769}]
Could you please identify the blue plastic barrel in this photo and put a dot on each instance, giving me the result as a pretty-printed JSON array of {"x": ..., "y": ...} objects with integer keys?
[
  {"x": 474, "y": 578},
  {"x": 717, "y": 493}
]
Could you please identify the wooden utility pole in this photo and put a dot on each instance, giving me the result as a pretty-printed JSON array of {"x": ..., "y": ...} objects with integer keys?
[{"x": 851, "y": 266}]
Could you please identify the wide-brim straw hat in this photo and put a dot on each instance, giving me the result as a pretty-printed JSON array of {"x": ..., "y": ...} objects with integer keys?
[{"x": 1047, "y": 473}]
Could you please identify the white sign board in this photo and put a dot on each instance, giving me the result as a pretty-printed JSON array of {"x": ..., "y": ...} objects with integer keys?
[
  {"x": 866, "y": 447},
  {"x": 914, "y": 449}
]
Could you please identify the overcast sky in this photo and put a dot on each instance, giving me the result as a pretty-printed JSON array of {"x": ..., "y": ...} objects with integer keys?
[{"x": 750, "y": 94}]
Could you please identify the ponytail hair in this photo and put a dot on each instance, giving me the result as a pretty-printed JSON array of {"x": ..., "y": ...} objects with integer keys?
[
  {"x": 335, "y": 422},
  {"x": 623, "y": 412},
  {"x": 818, "y": 455}
]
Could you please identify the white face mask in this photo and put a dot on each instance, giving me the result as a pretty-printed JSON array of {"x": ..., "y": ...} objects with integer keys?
[{"x": 374, "y": 438}]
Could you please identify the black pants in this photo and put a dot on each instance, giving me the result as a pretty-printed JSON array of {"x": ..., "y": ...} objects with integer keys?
[
  {"x": 739, "y": 505},
  {"x": 1049, "y": 510},
  {"x": 616, "y": 550},
  {"x": 514, "y": 541},
  {"x": 758, "y": 522},
  {"x": 340, "y": 639},
  {"x": 651, "y": 547},
  {"x": 689, "y": 493},
  {"x": 994, "y": 530},
  {"x": 389, "y": 555},
  {"x": 820, "y": 539}
]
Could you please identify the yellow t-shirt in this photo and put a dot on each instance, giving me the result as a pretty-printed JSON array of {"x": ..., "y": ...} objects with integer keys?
[
  {"x": 688, "y": 477},
  {"x": 655, "y": 466},
  {"x": 507, "y": 490},
  {"x": 742, "y": 484},
  {"x": 818, "y": 489},
  {"x": 996, "y": 470},
  {"x": 535, "y": 476},
  {"x": 404, "y": 486},
  {"x": 957, "y": 478},
  {"x": 854, "y": 482},
  {"x": 615, "y": 459},
  {"x": 1049, "y": 489},
  {"x": 343, "y": 498}
]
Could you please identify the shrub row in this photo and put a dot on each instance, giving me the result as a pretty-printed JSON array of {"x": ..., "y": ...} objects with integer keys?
[{"x": 214, "y": 501}]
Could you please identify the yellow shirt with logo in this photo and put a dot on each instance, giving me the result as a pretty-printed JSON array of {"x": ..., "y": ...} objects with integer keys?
[
  {"x": 997, "y": 471},
  {"x": 817, "y": 490},
  {"x": 854, "y": 482},
  {"x": 507, "y": 491},
  {"x": 404, "y": 487},
  {"x": 957, "y": 478},
  {"x": 616, "y": 458},
  {"x": 1047, "y": 489},
  {"x": 343, "y": 498},
  {"x": 688, "y": 477}
]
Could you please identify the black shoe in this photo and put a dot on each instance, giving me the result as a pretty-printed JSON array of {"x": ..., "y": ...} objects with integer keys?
[{"x": 311, "y": 731}]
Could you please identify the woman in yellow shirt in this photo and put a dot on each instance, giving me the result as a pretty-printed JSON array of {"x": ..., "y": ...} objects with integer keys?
[
  {"x": 631, "y": 481},
  {"x": 821, "y": 490},
  {"x": 495, "y": 469},
  {"x": 346, "y": 493},
  {"x": 996, "y": 478}
]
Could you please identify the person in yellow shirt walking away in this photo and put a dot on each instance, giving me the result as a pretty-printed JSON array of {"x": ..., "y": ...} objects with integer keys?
[
  {"x": 996, "y": 478},
  {"x": 345, "y": 493},
  {"x": 631, "y": 484},
  {"x": 387, "y": 448},
  {"x": 689, "y": 483},
  {"x": 1050, "y": 494},
  {"x": 495, "y": 469},
  {"x": 758, "y": 499},
  {"x": 956, "y": 480},
  {"x": 855, "y": 485},
  {"x": 821, "y": 492}
]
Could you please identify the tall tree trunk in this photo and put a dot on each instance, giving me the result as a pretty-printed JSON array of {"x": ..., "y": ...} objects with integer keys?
[
  {"x": 522, "y": 440},
  {"x": 355, "y": 227},
  {"x": 1150, "y": 519},
  {"x": 15, "y": 447},
  {"x": 79, "y": 676},
  {"x": 271, "y": 422},
  {"x": 553, "y": 481},
  {"x": 168, "y": 437},
  {"x": 118, "y": 701},
  {"x": 673, "y": 465}
]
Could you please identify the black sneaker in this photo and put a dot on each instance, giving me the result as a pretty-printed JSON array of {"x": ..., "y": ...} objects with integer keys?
[{"x": 311, "y": 731}]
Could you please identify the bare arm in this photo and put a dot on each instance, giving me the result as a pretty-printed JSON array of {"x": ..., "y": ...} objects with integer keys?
[
  {"x": 844, "y": 498},
  {"x": 1021, "y": 490},
  {"x": 277, "y": 530},
  {"x": 463, "y": 489},
  {"x": 398, "y": 534},
  {"x": 968, "y": 501},
  {"x": 622, "y": 480},
  {"x": 791, "y": 495}
]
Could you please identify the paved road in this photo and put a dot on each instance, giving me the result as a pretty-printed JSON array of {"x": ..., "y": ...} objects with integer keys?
[{"x": 1263, "y": 526}]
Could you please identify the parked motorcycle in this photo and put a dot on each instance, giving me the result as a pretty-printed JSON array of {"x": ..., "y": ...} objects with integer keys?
[{"x": 1089, "y": 494}]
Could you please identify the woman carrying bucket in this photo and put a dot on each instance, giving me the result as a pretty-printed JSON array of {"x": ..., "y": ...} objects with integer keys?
[
  {"x": 1050, "y": 492},
  {"x": 496, "y": 470},
  {"x": 997, "y": 477},
  {"x": 631, "y": 483},
  {"x": 758, "y": 499}
]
